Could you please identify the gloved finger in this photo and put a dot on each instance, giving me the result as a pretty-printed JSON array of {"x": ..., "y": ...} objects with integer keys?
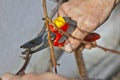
[
  {"x": 79, "y": 33},
  {"x": 66, "y": 10},
  {"x": 61, "y": 12}
]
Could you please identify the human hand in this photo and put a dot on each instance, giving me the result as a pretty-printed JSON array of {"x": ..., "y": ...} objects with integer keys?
[
  {"x": 33, "y": 76},
  {"x": 89, "y": 14}
]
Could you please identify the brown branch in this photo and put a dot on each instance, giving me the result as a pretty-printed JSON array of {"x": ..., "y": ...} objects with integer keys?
[
  {"x": 80, "y": 62},
  {"x": 52, "y": 56},
  {"x": 107, "y": 49},
  {"x": 27, "y": 59},
  {"x": 53, "y": 13}
]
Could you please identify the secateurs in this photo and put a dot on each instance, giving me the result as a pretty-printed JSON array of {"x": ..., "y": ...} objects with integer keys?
[{"x": 58, "y": 39}]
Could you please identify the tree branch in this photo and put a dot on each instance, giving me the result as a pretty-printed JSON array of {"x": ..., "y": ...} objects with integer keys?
[
  {"x": 80, "y": 63},
  {"x": 52, "y": 56}
]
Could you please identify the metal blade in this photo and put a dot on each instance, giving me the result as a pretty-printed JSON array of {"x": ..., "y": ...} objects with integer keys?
[{"x": 38, "y": 41}]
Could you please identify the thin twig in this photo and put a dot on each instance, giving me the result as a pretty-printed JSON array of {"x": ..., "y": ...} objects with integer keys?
[
  {"x": 27, "y": 59},
  {"x": 49, "y": 38},
  {"x": 53, "y": 13},
  {"x": 106, "y": 49}
]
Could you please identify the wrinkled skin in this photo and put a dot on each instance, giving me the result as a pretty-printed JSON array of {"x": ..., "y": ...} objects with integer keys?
[{"x": 89, "y": 15}]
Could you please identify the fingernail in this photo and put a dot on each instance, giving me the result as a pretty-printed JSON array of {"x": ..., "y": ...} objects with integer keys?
[{"x": 68, "y": 48}]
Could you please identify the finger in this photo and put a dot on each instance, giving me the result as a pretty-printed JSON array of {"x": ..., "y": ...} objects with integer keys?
[
  {"x": 85, "y": 25},
  {"x": 52, "y": 76},
  {"x": 43, "y": 76},
  {"x": 31, "y": 76},
  {"x": 9, "y": 76},
  {"x": 71, "y": 44},
  {"x": 16, "y": 78},
  {"x": 61, "y": 12},
  {"x": 89, "y": 46},
  {"x": 79, "y": 33}
]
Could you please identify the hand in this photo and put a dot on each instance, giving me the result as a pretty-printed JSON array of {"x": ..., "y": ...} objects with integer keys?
[
  {"x": 89, "y": 14},
  {"x": 33, "y": 76}
]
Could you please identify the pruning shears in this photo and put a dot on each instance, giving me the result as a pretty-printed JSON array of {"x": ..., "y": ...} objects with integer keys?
[
  {"x": 58, "y": 39},
  {"x": 41, "y": 41}
]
